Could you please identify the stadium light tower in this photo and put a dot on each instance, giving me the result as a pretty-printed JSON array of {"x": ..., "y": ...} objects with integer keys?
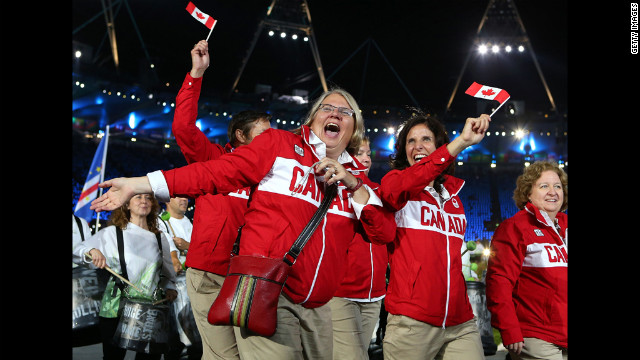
[
  {"x": 286, "y": 14},
  {"x": 501, "y": 24}
]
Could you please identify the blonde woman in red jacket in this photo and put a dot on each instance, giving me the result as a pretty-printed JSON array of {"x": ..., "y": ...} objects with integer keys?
[
  {"x": 217, "y": 218},
  {"x": 429, "y": 312},
  {"x": 355, "y": 307},
  {"x": 287, "y": 172},
  {"x": 527, "y": 272}
]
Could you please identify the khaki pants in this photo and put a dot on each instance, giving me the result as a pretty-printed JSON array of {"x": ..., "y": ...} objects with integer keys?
[
  {"x": 218, "y": 342},
  {"x": 301, "y": 333},
  {"x": 353, "y": 324},
  {"x": 535, "y": 349},
  {"x": 406, "y": 339}
]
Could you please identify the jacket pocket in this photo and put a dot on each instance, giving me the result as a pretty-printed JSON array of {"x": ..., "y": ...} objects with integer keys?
[{"x": 412, "y": 277}]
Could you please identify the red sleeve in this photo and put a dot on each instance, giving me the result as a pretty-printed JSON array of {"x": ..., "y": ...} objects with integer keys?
[
  {"x": 378, "y": 224},
  {"x": 194, "y": 144},
  {"x": 398, "y": 186},
  {"x": 503, "y": 272},
  {"x": 244, "y": 167}
]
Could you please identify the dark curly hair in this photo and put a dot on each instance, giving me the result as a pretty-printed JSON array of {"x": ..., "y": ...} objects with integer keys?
[
  {"x": 120, "y": 217},
  {"x": 399, "y": 161}
]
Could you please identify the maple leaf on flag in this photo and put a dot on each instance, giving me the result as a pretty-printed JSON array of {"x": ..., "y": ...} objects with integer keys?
[
  {"x": 199, "y": 15},
  {"x": 488, "y": 92}
]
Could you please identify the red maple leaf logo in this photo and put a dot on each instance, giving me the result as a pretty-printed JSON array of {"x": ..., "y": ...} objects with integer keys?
[
  {"x": 199, "y": 15},
  {"x": 488, "y": 92}
]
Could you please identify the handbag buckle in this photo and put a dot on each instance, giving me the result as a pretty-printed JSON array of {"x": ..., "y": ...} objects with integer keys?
[{"x": 286, "y": 259}]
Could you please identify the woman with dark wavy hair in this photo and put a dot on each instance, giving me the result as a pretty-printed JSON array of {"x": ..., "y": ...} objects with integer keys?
[
  {"x": 527, "y": 274},
  {"x": 400, "y": 161},
  {"x": 429, "y": 312},
  {"x": 146, "y": 267}
]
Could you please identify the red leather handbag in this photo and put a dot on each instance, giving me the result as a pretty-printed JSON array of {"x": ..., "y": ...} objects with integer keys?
[{"x": 249, "y": 295}]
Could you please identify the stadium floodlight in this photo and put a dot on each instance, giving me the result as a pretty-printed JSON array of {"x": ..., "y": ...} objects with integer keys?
[
  {"x": 507, "y": 48},
  {"x": 495, "y": 49},
  {"x": 306, "y": 38},
  {"x": 521, "y": 48},
  {"x": 271, "y": 32},
  {"x": 482, "y": 49},
  {"x": 519, "y": 133},
  {"x": 294, "y": 36},
  {"x": 283, "y": 34}
]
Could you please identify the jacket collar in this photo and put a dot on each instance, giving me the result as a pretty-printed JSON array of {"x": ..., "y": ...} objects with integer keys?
[
  {"x": 452, "y": 186},
  {"x": 544, "y": 219}
]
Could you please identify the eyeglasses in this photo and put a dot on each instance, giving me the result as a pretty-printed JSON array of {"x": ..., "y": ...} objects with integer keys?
[{"x": 341, "y": 110}]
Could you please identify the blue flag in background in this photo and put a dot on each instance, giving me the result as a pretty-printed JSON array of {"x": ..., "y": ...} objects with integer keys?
[{"x": 95, "y": 176}]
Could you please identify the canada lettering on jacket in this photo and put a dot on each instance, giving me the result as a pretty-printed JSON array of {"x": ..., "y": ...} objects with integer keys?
[
  {"x": 311, "y": 190},
  {"x": 435, "y": 218},
  {"x": 556, "y": 254}
]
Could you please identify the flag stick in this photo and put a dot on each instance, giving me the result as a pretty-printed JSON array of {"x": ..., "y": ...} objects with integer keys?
[
  {"x": 102, "y": 171},
  {"x": 494, "y": 111},
  {"x": 210, "y": 31},
  {"x": 160, "y": 301},
  {"x": 115, "y": 273}
]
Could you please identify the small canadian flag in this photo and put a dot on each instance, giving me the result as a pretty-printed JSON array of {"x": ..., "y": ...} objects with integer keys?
[
  {"x": 207, "y": 20},
  {"x": 487, "y": 92}
]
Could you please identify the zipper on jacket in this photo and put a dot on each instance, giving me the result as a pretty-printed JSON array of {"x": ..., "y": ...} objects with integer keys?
[
  {"x": 371, "y": 279},
  {"x": 315, "y": 276},
  {"x": 446, "y": 306}
]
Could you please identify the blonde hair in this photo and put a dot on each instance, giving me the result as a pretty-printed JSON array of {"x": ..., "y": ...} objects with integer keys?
[{"x": 358, "y": 131}]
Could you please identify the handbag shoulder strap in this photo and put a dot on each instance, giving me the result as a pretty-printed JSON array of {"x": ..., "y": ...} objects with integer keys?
[
  {"x": 123, "y": 265},
  {"x": 159, "y": 242},
  {"x": 308, "y": 230}
]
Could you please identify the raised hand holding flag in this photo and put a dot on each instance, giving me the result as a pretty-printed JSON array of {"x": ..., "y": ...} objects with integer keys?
[
  {"x": 489, "y": 93},
  {"x": 207, "y": 20}
]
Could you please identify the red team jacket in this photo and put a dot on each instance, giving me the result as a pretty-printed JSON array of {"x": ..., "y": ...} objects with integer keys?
[
  {"x": 365, "y": 278},
  {"x": 527, "y": 278},
  {"x": 426, "y": 281},
  {"x": 286, "y": 195},
  {"x": 218, "y": 217}
]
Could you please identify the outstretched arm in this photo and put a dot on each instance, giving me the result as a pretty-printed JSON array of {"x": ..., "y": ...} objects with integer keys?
[{"x": 121, "y": 190}]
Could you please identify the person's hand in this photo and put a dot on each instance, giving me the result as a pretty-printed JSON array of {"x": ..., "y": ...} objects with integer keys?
[
  {"x": 199, "y": 59},
  {"x": 475, "y": 128},
  {"x": 181, "y": 243},
  {"x": 515, "y": 348},
  {"x": 472, "y": 133},
  {"x": 177, "y": 266},
  {"x": 97, "y": 258},
  {"x": 171, "y": 294},
  {"x": 333, "y": 172},
  {"x": 120, "y": 192}
]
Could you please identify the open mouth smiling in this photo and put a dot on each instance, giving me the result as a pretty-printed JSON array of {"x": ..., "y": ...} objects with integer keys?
[
  {"x": 332, "y": 129},
  {"x": 419, "y": 157}
]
